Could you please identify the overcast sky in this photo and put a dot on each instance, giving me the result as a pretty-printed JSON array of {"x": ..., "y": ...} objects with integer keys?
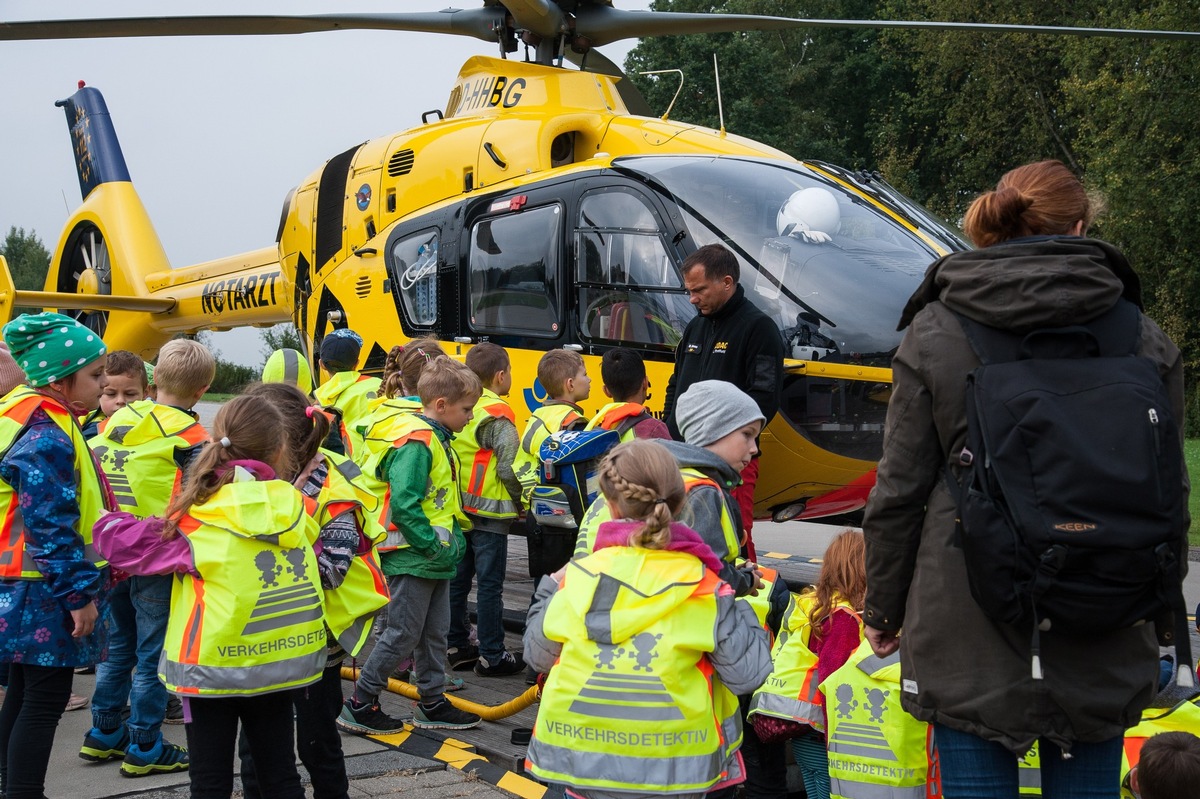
[{"x": 215, "y": 130}]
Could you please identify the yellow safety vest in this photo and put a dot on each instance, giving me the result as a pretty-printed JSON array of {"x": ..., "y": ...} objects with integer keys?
[
  {"x": 393, "y": 427},
  {"x": 16, "y": 408},
  {"x": 545, "y": 421},
  {"x": 136, "y": 448},
  {"x": 633, "y": 702},
  {"x": 350, "y": 608},
  {"x": 761, "y": 603},
  {"x": 792, "y": 689},
  {"x": 1184, "y": 717},
  {"x": 482, "y": 492},
  {"x": 351, "y": 393},
  {"x": 252, "y": 622},
  {"x": 876, "y": 750},
  {"x": 619, "y": 416},
  {"x": 598, "y": 513}
]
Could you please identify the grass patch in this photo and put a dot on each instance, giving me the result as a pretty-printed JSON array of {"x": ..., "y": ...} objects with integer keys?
[
  {"x": 1191, "y": 453},
  {"x": 215, "y": 397}
]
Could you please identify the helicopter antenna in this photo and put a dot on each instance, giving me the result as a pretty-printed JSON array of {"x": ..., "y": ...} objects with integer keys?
[
  {"x": 720, "y": 109},
  {"x": 677, "y": 91}
]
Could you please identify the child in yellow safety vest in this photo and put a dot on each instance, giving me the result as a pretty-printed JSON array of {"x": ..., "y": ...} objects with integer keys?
[
  {"x": 486, "y": 448},
  {"x": 648, "y": 649},
  {"x": 352, "y": 580},
  {"x": 565, "y": 379},
  {"x": 125, "y": 382},
  {"x": 144, "y": 446},
  {"x": 821, "y": 633},
  {"x": 1169, "y": 767},
  {"x": 246, "y": 621},
  {"x": 347, "y": 391},
  {"x": 51, "y": 579},
  {"x": 412, "y": 453},
  {"x": 625, "y": 383}
]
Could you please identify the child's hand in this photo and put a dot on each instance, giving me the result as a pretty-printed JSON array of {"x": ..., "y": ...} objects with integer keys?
[{"x": 85, "y": 620}]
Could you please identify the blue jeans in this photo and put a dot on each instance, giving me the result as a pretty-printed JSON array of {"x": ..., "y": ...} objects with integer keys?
[
  {"x": 486, "y": 560},
  {"x": 137, "y": 628},
  {"x": 973, "y": 768}
]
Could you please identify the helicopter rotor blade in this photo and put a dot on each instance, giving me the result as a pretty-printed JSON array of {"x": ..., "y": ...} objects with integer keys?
[
  {"x": 542, "y": 17},
  {"x": 594, "y": 61},
  {"x": 603, "y": 25},
  {"x": 480, "y": 23}
]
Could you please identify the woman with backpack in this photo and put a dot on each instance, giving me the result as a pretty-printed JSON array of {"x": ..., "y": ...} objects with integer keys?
[{"x": 991, "y": 688}]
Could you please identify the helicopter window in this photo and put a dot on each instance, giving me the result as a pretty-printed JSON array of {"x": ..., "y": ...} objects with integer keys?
[
  {"x": 832, "y": 264},
  {"x": 629, "y": 288},
  {"x": 514, "y": 273},
  {"x": 415, "y": 262}
]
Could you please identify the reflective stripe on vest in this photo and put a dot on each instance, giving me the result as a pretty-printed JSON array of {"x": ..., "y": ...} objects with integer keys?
[
  {"x": 136, "y": 448},
  {"x": 350, "y": 608},
  {"x": 792, "y": 690},
  {"x": 392, "y": 427},
  {"x": 252, "y": 622},
  {"x": 482, "y": 492},
  {"x": 608, "y": 717},
  {"x": 876, "y": 749},
  {"x": 619, "y": 416},
  {"x": 16, "y": 408},
  {"x": 761, "y": 603},
  {"x": 545, "y": 421}
]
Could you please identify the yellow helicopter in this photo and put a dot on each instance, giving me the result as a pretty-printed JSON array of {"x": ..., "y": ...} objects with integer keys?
[{"x": 543, "y": 207}]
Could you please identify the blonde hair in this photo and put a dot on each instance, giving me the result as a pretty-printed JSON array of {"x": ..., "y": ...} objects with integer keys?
[
  {"x": 843, "y": 576},
  {"x": 254, "y": 429},
  {"x": 404, "y": 365},
  {"x": 557, "y": 367},
  {"x": 446, "y": 377},
  {"x": 1042, "y": 199},
  {"x": 184, "y": 367},
  {"x": 642, "y": 480}
]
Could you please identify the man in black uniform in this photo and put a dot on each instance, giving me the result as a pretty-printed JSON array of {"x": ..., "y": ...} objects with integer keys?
[{"x": 729, "y": 340}]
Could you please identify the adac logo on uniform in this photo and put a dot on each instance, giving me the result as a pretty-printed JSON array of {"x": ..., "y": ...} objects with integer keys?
[
  {"x": 288, "y": 597},
  {"x": 856, "y": 738},
  {"x": 636, "y": 697},
  {"x": 720, "y": 347}
]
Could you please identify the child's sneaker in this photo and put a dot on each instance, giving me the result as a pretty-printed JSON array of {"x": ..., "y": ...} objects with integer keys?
[
  {"x": 531, "y": 675},
  {"x": 462, "y": 658},
  {"x": 505, "y": 666},
  {"x": 101, "y": 746},
  {"x": 174, "y": 714},
  {"x": 162, "y": 758},
  {"x": 367, "y": 719},
  {"x": 444, "y": 715}
]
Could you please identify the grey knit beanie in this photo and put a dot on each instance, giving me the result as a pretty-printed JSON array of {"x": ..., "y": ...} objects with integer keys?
[{"x": 712, "y": 409}]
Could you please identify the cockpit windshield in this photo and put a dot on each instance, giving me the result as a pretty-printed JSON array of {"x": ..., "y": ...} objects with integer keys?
[{"x": 831, "y": 256}]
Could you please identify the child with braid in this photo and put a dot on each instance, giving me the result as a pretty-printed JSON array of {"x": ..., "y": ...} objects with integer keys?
[{"x": 648, "y": 647}]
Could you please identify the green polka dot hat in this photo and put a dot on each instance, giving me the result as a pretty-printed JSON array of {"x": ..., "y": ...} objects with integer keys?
[{"x": 50, "y": 346}]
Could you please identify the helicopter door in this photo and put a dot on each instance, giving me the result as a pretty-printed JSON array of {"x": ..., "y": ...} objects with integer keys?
[
  {"x": 629, "y": 289},
  {"x": 515, "y": 268}
]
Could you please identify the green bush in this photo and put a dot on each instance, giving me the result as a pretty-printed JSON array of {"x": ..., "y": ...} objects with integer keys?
[{"x": 231, "y": 378}]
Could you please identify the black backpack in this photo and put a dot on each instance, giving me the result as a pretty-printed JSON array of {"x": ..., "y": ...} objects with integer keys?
[{"x": 1071, "y": 510}]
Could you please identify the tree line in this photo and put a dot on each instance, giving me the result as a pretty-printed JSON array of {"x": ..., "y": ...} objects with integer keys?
[{"x": 943, "y": 114}]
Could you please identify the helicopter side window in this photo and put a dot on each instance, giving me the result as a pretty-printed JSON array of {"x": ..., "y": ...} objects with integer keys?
[
  {"x": 414, "y": 264},
  {"x": 514, "y": 273},
  {"x": 629, "y": 288}
]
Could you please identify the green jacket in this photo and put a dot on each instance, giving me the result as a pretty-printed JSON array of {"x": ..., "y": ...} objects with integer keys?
[{"x": 407, "y": 469}]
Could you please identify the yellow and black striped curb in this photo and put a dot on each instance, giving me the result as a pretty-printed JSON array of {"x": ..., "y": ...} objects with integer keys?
[
  {"x": 460, "y": 755},
  {"x": 790, "y": 558}
]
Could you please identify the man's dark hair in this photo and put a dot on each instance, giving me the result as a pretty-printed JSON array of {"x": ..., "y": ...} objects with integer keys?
[
  {"x": 717, "y": 260},
  {"x": 1169, "y": 765},
  {"x": 622, "y": 371}
]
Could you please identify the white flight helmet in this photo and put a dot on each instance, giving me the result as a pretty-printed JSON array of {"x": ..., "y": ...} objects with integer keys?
[{"x": 813, "y": 209}]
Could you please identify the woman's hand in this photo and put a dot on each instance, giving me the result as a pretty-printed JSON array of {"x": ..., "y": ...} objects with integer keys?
[
  {"x": 85, "y": 620},
  {"x": 882, "y": 642}
]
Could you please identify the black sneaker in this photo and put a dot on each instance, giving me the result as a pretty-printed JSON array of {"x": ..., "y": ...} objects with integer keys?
[
  {"x": 367, "y": 720},
  {"x": 506, "y": 666},
  {"x": 444, "y": 715},
  {"x": 531, "y": 675},
  {"x": 174, "y": 714},
  {"x": 462, "y": 658}
]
